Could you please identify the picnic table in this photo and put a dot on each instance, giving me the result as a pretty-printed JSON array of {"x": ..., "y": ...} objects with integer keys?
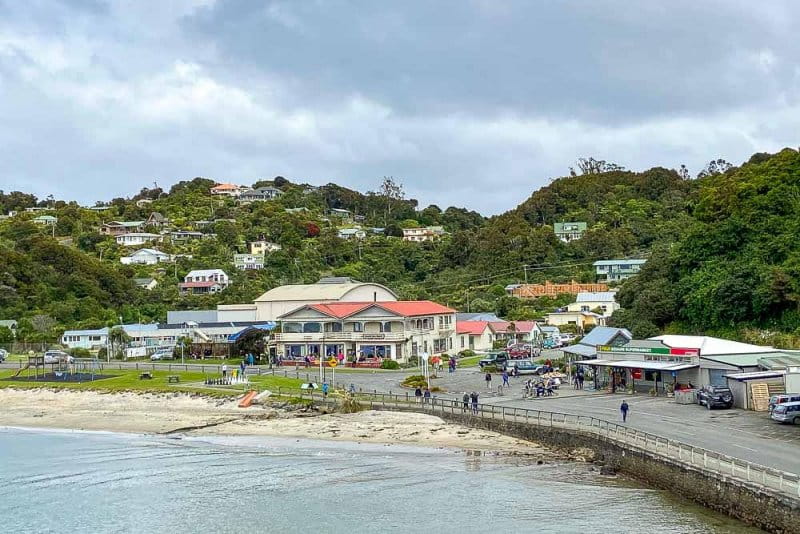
[
  {"x": 173, "y": 378},
  {"x": 147, "y": 375}
]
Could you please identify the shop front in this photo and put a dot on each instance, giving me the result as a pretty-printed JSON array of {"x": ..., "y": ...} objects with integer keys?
[{"x": 634, "y": 376}]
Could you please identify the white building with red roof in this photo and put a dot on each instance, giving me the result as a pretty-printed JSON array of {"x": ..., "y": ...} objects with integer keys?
[
  {"x": 474, "y": 335},
  {"x": 202, "y": 281},
  {"x": 231, "y": 190},
  {"x": 368, "y": 331}
]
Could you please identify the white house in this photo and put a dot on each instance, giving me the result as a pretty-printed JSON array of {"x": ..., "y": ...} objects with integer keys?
[
  {"x": 146, "y": 256},
  {"x": 474, "y": 335},
  {"x": 246, "y": 262},
  {"x": 136, "y": 239},
  {"x": 603, "y": 303},
  {"x": 147, "y": 284},
  {"x": 230, "y": 190},
  {"x": 428, "y": 233},
  {"x": 121, "y": 227},
  {"x": 203, "y": 281},
  {"x": 352, "y": 233},
  {"x": 394, "y": 329},
  {"x": 85, "y": 339},
  {"x": 47, "y": 220},
  {"x": 263, "y": 247}
]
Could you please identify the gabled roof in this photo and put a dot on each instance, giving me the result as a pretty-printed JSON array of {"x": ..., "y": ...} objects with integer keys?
[
  {"x": 602, "y": 335},
  {"x": 314, "y": 292},
  {"x": 150, "y": 251},
  {"x": 226, "y": 187},
  {"x": 474, "y": 328},
  {"x": 403, "y": 308},
  {"x": 126, "y": 224}
]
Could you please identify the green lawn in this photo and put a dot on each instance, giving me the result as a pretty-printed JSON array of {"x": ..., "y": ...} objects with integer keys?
[
  {"x": 469, "y": 362},
  {"x": 130, "y": 381}
]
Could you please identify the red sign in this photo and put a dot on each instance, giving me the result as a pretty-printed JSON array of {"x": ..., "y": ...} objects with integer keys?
[
  {"x": 636, "y": 374},
  {"x": 684, "y": 352}
]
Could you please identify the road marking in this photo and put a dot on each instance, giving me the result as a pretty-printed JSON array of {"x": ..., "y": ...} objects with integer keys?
[{"x": 743, "y": 447}]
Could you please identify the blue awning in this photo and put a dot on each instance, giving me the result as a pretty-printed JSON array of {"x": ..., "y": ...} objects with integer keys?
[{"x": 266, "y": 327}]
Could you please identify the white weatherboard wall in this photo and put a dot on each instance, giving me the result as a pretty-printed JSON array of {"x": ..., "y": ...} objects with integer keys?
[{"x": 272, "y": 309}]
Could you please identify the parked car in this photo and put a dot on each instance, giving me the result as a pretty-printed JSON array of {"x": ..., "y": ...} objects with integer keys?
[
  {"x": 781, "y": 399},
  {"x": 498, "y": 359},
  {"x": 566, "y": 339},
  {"x": 715, "y": 396},
  {"x": 524, "y": 367},
  {"x": 3, "y": 355},
  {"x": 162, "y": 354},
  {"x": 57, "y": 356},
  {"x": 788, "y": 412}
]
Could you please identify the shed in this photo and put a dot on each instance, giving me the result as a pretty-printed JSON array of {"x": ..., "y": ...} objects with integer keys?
[{"x": 752, "y": 390}]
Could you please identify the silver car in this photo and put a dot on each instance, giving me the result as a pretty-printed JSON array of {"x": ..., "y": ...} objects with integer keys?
[
  {"x": 57, "y": 356},
  {"x": 788, "y": 412}
]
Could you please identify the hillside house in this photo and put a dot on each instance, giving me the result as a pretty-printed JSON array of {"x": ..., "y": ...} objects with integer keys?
[
  {"x": 580, "y": 319},
  {"x": 148, "y": 284},
  {"x": 202, "y": 281},
  {"x": 569, "y": 231},
  {"x": 549, "y": 289},
  {"x": 260, "y": 194},
  {"x": 263, "y": 247},
  {"x": 351, "y": 233},
  {"x": 603, "y": 303},
  {"x": 146, "y": 256},
  {"x": 428, "y": 233},
  {"x": 248, "y": 262},
  {"x": 136, "y": 238},
  {"x": 617, "y": 270},
  {"x": 228, "y": 190},
  {"x": 116, "y": 228},
  {"x": 46, "y": 220}
]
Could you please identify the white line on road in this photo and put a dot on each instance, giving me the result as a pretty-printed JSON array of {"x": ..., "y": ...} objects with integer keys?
[{"x": 743, "y": 447}]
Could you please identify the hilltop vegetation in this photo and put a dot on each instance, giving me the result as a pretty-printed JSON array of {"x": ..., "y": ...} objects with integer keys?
[{"x": 722, "y": 251}]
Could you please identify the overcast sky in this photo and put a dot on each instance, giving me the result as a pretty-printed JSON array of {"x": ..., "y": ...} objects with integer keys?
[{"x": 466, "y": 102}]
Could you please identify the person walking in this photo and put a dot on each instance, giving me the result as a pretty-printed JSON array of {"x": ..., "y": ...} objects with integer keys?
[
  {"x": 624, "y": 409},
  {"x": 474, "y": 398},
  {"x": 465, "y": 400},
  {"x": 489, "y": 381},
  {"x": 505, "y": 379},
  {"x": 418, "y": 394},
  {"x": 325, "y": 390},
  {"x": 426, "y": 397}
]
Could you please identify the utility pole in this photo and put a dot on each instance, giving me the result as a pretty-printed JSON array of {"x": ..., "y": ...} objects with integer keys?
[
  {"x": 525, "y": 268},
  {"x": 466, "y": 296}
]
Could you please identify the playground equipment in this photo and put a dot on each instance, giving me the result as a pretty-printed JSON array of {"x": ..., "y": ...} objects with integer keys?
[{"x": 34, "y": 362}]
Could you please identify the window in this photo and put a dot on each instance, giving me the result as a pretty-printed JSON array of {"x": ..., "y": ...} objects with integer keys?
[
  {"x": 333, "y": 327},
  {"x": 585, "y": 308},
  {"x": 292, "y": 328},
  {"x": 386, "y": 327},
  {"x": 358, "y": 327},
  {"x": 312, "y": 328}
]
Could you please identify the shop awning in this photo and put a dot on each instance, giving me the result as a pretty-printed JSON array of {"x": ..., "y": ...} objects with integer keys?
[{"x": 639, "y": 364}]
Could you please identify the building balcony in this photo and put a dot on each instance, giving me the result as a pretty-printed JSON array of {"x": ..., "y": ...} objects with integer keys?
[{"x": 307, "y": 337}]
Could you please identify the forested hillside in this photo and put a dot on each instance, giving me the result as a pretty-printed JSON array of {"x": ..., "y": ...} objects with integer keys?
[{"x": 722, "y": 249}]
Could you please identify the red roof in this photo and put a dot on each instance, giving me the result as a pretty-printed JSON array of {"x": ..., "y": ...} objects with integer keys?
[
  {"x": 471, "y": 327},
  {"x": 405, "y": 308},
  {"x": 222, "y": 187},
  {"x": 189, "y": 285},
  {"x": 519, "y": 326}
]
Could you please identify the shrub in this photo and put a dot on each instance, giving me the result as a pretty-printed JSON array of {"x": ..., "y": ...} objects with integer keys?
[
  {"x": 467, "y": 353},
  {"x": 415, "y": 381},
  {"x": 102, "y": 353},
  {"x": 390, "y": 364},
  {"x": 80, "y": 353},
  {"x": 350, "y": 404}
]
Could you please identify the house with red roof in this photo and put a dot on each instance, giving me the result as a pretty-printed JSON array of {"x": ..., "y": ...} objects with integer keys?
[
  {"x": 367, "y": 330},
  {"x": 517, "y": 332},
  {"x": 474, "y": 335},
  {"x": 231, "y": 190}
]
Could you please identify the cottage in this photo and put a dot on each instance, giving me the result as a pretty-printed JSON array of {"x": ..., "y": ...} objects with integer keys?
[
  {"x": 157, "y": 220},
  {"x": 352, "y": 233},
  {"x": 474, "y": 335},
  {"x": 260, "y": 194},
  {"x": 428, "y": 233},
  {"x": 394, "y": 330},
  {"x": 146, "y": 256},
  {"x": 181, "y": 236},
  {"x": 246, "y": 262},
  {"x": 580, "y": 319},
  {"x": 569, "y": 231},
  {"x": 617, "y": 270},
  {"x": 85, "y": 339},
  {"x": 136, "y": 238},
  {"x": 340, "y": 213},
  {"x": 204, "y": 281}
]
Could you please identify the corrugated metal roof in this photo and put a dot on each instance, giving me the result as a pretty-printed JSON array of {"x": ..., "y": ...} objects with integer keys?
[
  {"x": 710, "y": 346},
  {"x": 640, "y": 364},
  {"x": 581, "y": 350},
  {"x": 603, "y": 335},
  {"x": 605, "y": 296},
  {"x": 619, "y": 262},
  {"x": 312, "y": 292}
]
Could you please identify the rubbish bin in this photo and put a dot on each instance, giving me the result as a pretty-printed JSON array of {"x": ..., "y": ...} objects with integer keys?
[{"x": 686, "y": 396}]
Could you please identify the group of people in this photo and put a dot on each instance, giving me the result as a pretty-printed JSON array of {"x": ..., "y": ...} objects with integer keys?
[
  {"x": 470, "y": 401},
  {"x": 422, "y": 396},
  {"x": 540, "y": 387},
  {"x": 577, "y": 380}
]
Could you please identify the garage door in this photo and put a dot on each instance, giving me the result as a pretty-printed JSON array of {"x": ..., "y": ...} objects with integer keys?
[{"x": 716, "y": 377}]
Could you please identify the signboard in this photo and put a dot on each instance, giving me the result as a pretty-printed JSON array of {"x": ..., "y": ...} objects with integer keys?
[
  {"x": 332, "y": 362},
  {"x": 674, "y": 351}
]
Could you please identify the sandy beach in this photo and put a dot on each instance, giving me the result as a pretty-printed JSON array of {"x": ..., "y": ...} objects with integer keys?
[{"x": 199, "y": 415}]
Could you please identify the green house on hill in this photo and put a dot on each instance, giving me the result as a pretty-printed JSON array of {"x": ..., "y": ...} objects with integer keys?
[{"x": 569, "y": 231}]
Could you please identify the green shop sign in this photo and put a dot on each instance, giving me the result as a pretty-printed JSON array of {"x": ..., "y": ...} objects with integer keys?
[{"x": 638, "y": 350}]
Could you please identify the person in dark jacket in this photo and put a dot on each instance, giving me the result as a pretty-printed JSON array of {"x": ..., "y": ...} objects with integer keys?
[
  {"x": 465, "y": 399},
  {"x": 474, "y": 398},
  {"x": 418, "y": 394},
  {"x": 624, "y": 409}
]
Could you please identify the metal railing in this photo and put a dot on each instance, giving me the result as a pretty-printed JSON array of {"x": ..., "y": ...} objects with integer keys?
[{"x": 715, "y": 463}]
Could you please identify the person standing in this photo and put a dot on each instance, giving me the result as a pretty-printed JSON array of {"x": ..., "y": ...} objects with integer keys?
[
  {"x": 624, "y": 409},
  {"x": 426, "y": 397},
  {"x": 489, "y": 381},
  {"x": 325, "y": 390},
  {"x": 418, "y": 394},
  {"x": 224, "y": 370},
  {"x": 505, "y": 379},
  {"x": 474, "y": 398},
  {"x": 465, "y": 400}
]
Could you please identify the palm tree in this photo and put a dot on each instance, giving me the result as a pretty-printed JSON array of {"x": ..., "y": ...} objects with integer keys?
[{"x": 117, "y": 337}]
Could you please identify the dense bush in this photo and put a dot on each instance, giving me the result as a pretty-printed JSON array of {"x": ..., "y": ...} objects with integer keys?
[
  {"x": 467, "y": 353},
  {"x": 415, "y": 381},
  {"x": 390, "y": 364},
  {"x": 80, "y": 353}
]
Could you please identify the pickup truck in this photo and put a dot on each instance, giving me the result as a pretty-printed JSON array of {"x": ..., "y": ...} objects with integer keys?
[{"x": 498, "y": 359}]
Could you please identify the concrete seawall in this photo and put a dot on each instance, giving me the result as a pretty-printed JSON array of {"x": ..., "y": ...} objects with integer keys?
[{"x": 750, "y": 503}]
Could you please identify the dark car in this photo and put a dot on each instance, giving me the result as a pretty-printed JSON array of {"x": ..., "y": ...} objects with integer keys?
[
  {"x": 498, "y": 359},
  {"x": 715, "y": 397}
]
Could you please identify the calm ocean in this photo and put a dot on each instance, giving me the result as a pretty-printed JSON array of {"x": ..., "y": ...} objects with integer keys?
[{"x": 53, "y": 481}]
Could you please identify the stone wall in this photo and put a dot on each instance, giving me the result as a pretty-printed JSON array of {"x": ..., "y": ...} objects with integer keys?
[{"x": 747, "y": 502}]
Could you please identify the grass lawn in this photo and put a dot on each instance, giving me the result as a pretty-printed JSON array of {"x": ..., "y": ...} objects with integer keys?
[
  {"x": 130, "y": 381},
  {"x": 470, "y": 362}
]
